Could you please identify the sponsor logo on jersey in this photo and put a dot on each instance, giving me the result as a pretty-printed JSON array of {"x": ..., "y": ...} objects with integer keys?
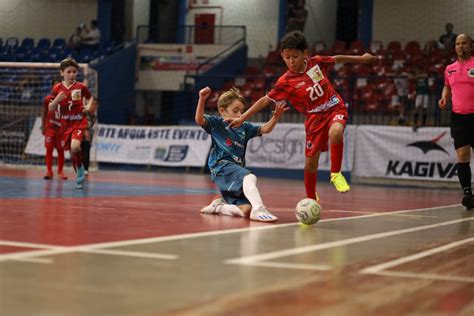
[
  {"x": 76, "y": 95},
  {"x": 450, "y": 72},
  {"x": 299, "y": 85},
  {"x": 315, "y": 74},
  {"x": 76, "y": 117},
  {"x": 323, "y": 107},
  {"x": 470, "y": 73}
]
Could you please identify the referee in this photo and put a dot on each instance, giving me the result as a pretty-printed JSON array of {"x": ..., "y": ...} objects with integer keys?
[{"x": 459, "y": 85}]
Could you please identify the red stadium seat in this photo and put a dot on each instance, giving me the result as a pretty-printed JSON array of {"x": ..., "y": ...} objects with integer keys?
[{"x": 394, "y": 46}]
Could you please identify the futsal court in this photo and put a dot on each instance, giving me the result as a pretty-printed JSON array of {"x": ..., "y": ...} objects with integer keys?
[{"x": 134, "y": 243}]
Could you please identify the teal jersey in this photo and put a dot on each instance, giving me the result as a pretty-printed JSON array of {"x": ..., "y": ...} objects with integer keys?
[{"x": 228, "y": 144}]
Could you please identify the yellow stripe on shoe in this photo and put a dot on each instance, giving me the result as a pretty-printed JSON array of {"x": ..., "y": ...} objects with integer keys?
[{"x": 338, "y": 180}]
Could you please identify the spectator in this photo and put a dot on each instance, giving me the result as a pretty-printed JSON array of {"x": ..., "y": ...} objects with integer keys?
[
  {"x": 399, "y": 101},
  {"x": 447, "y": 40},
  {"x": 91, "y": 37},
  {"x": 422, "y": 97},
  {"x": 75, "y": 40}
]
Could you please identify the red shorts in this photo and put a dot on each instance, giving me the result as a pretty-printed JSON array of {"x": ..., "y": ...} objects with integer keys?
[
  {"x": 317, "y": 139},
  {"x": 52, "y": 139},
  {"x": 69, "y": 135}
]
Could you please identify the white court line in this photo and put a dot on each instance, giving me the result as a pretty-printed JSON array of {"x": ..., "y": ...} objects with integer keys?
[
  {"x": 136, "y": 254},
  {"x": 36, "y": 260},
  {"x": 297, "y": 266},
  {"x": 53, "y": 250},
  {"x": 296, "y": 251},
  {"x": 390, "y": 264},
  {"x": 426, "y": 276}
]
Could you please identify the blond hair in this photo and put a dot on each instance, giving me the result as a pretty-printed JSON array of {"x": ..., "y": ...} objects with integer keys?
[{"x": 228, "y": 97}]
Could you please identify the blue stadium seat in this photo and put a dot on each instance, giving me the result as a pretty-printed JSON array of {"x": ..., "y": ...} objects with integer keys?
[
  {"x": 86, "y": 54},
  {"x": 43, "y": 44},
  {"x": 11, "y": 43},
  {"x": 28, "y": 43},
  {"x": 59, "y": 43}
]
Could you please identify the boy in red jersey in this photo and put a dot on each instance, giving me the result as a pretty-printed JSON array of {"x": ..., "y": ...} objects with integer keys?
[
  {"x": 308, "y": 89},
  {"x": 50, "y": 128},
  {"x": 70, "y": 96}
]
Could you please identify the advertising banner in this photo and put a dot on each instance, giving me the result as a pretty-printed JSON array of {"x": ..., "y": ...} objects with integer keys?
[
  {"x": 399, "y": 153},
  {"x": 284, "y": 148},
  {"x": 163, "y": 146}
]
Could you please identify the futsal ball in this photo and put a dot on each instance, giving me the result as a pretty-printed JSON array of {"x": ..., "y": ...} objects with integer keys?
[{"x": 308, "y": 211}]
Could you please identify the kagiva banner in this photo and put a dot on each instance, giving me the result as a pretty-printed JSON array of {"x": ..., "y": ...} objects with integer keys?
[
  {"x": 164, "y": 146},
  {"x": 284, "y": 148},
  {"x": 399, "y": 153}
]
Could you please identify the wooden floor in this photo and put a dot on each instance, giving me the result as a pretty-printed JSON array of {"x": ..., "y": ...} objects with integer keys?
[{"x": 134, "y": 243}]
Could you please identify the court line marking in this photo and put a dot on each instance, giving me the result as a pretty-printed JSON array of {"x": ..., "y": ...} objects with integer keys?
[
  {"x": 249, "y": 260},
  {"x": 54, "y": 250},
  {"x": 426, "y": 276},
  {"x": 379, "y": 269},
  {"x": 45, "y": 250},
  {"x": 296, "y": 266}
]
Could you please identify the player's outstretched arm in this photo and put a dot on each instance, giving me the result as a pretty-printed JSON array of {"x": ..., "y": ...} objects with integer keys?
[
  {"x": 280, "y": 109},
  {"x": 256, "y": 107},
  {"x": 444, "y": 97},
  {"x": 365, "y": 59},
  {"x": 199, "y": 116}
]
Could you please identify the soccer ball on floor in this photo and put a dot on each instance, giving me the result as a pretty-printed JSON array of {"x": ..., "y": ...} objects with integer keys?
[{"x": 308, "y": 211}]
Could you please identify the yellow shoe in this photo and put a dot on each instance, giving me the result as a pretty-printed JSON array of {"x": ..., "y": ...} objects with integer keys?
[
  {"x": 340, "y": 182},
  {"x": 317, "y": 197}
]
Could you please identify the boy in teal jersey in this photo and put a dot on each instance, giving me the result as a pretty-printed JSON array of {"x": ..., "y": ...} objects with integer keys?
[{"x": 237, "y": 184}]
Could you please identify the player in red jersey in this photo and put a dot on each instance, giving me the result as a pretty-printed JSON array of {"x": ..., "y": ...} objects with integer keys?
[
  {"x": 306, "y": 86},
  {"x": 71, "y": 96},
  {"x": 50, "y": 128}
]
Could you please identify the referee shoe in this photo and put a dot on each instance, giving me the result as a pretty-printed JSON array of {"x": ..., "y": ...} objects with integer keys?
[{"x": 468, "y": 202}]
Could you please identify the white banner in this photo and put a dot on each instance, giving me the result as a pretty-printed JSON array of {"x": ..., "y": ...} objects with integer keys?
[
  {"x": 284, "y": 148},
  {"x": 399, "y": 153},
  {"x": 35, "y": 144},
  {"x": 163, "y": 146}
]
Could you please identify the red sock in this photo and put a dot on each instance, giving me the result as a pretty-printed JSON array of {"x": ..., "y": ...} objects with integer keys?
[
  {"x": 49, "y": 159},
  {"x": 310, "y": 179},
  {"x": 337, "y": 150},
  {"x": 78, "y": 158},
  {"x": 60, "y": 160}
]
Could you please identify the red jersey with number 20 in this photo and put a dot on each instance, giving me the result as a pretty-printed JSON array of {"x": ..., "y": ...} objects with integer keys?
[
  {"x": 310, "y": 92},
  {"x": 72, "y": 106}
]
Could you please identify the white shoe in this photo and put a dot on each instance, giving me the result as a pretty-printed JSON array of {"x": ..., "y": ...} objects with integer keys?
[
  {"x": 212, "y": 208},
  {"x": 261, "y": 214}
]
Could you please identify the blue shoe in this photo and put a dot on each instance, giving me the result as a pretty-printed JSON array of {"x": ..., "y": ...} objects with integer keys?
[{"x": 80, "y": 177}]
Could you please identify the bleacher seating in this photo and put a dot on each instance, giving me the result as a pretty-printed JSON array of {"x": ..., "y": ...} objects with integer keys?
[{"x": 14, "y": 50}]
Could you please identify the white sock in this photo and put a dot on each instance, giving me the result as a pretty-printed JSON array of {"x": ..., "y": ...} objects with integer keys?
[
  {"x": 230, "y": 210},
  {"x": 251, "y": 191}
]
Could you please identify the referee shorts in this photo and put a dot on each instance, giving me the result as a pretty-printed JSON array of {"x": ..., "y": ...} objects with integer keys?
[{"x": 462, "y": 129}]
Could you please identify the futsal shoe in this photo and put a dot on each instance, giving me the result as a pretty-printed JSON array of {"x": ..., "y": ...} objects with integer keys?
[
  {"x": 48, "y": 176},
  {"x": 468, "y": 202},
  {"x": 212, "y": 208},
  {"x": 261, "y": 214},
  {"x": 62, "y": 175},
  {"x": 340, "y": 182},
  {"x": 80, "y": 177}
]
